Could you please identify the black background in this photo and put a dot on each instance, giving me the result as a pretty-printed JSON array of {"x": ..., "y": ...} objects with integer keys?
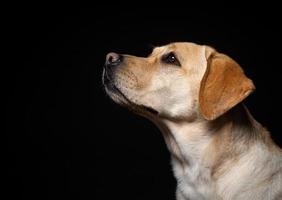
[{"x": 66, "y": 139}]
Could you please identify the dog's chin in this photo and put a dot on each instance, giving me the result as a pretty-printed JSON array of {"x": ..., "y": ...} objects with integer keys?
[{"x": 117, "y": 96}]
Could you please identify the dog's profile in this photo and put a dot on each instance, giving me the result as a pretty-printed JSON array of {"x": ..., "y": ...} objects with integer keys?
[{"x": 194, "y": 95}]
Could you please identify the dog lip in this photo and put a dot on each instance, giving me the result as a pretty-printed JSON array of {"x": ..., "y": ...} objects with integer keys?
[
  {"x": 150, "y": 110},
  {"x": 131, "y": 105},
  {"x": 105, "y": 77},
  {"x": 120, "y": 93},
  {"x": 107, "y": 82},
  {"x": 134, "y": 106}
]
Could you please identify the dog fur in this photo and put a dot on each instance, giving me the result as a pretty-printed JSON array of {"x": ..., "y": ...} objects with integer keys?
[{"x": 218, "y": 150}]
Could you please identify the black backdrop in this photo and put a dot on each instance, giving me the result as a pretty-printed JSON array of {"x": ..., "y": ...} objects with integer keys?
[{"x": 66, "y": 139}]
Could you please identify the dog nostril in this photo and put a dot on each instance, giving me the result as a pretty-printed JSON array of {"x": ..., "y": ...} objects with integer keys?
[{"x": 113, "y": 59}]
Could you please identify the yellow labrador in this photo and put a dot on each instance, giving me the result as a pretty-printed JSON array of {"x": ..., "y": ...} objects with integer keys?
[{"x": 194, "y": 95}]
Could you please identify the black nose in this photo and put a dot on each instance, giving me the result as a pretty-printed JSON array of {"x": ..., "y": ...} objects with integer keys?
[{"x": 113, "y": 59}]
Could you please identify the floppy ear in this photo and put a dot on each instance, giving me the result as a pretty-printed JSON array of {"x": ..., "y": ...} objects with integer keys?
[{"x": 223, "y": 86}]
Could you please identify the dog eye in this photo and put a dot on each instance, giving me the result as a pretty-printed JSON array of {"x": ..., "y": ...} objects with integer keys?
[{"x": 170, "y": 58}]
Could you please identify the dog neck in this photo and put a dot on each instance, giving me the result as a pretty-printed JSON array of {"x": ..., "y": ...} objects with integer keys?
[{"x": 212, "y": 143}]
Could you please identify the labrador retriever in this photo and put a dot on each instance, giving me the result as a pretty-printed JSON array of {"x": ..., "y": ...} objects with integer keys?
[{"x": 195, "y": 94}]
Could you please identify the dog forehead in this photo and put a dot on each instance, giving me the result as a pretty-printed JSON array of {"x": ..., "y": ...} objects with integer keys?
[{"x": 185, "y": 48}]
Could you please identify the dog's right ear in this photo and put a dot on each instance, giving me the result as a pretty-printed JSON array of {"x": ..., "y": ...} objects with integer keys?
[{"x": 223, "y": 86}]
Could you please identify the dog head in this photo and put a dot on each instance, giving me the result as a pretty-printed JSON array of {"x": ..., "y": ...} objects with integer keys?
[{"x": 176, "y": 81}]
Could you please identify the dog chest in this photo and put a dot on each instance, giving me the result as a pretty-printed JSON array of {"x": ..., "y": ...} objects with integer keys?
[{"x": 193, "y": 182}]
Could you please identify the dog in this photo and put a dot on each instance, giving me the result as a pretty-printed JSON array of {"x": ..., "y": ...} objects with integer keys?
[{"x": 194, "y": 95}]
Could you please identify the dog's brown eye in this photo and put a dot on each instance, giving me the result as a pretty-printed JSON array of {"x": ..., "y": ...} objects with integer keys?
[{"x": 170, "y": 58}]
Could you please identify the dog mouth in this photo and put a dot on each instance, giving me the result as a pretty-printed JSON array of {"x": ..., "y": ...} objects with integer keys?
[
  {"x": 149, "y": 110},
  {"x": 117, "y": 95}
]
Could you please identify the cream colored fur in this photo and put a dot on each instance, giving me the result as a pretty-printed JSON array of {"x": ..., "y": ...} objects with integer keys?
[{"x": 230, "y": 157}]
